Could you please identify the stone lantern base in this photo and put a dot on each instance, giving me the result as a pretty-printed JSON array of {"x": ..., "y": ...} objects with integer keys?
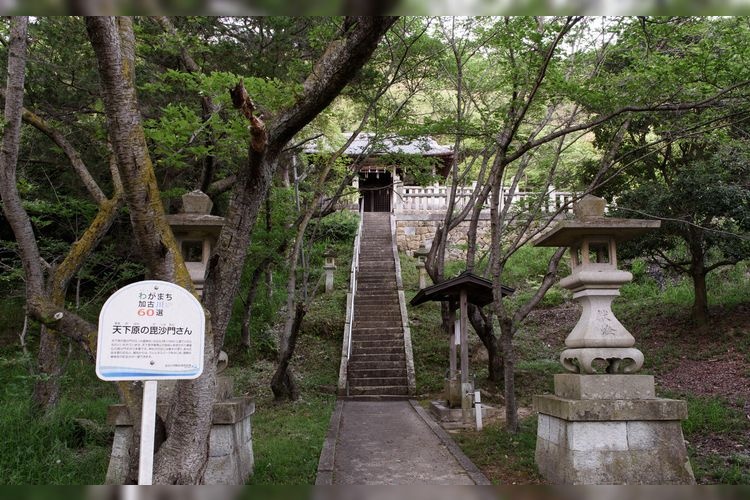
[
  {"x": 230, "y": 449},
  {"x": 610, "y": 429}
]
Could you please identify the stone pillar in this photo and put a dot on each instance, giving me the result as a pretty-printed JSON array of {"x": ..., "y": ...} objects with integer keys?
[
  {"x": 605, "y": 428},
  {"x": 422, "y": 274},
  {"x": 610, "y": 429},
  {"x": 328, "y": 268}
]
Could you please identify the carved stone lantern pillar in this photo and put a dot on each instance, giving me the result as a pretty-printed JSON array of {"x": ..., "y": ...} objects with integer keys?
[
  {"x": 604, "y": 424},
  {"x": 421, "y": 254},
  {"x": 329, "y": 267}
]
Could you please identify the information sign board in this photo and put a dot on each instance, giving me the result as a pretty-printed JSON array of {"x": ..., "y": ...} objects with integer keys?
[{"x": 150, "y": 330}]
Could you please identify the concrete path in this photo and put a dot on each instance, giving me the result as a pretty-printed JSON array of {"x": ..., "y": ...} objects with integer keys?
[{"x": 391, "y": 442}]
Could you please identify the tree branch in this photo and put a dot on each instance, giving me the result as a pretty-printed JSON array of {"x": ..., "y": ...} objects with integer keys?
[{"x": 547, "y": 282}]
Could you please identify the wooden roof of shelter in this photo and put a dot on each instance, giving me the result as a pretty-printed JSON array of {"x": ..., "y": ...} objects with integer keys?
[{"x": 478, "y": 290}]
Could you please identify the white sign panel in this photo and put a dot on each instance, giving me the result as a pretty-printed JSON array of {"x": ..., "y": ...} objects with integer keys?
[{"x": 150, "y": 330}]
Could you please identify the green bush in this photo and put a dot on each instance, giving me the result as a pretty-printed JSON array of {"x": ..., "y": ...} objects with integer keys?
[{"x": 338, "y": 226}]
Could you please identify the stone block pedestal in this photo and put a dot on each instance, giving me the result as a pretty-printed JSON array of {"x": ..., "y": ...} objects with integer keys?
[
  {"x": 610, "y": 429},
  {"x": 230, "y": 451}
]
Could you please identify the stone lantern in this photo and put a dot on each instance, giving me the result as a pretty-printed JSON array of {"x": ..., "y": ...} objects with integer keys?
[
  {"x": 329, "y": 267},
  {"x": 196, "y": 232},
  {"x": 421, "y": 254},
  {"x": 604, "y": 425}
]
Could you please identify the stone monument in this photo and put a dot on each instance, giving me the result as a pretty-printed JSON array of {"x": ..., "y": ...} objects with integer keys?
[
  {"x": 421, "y": 254},
  {"x": 604, "y": 424},
  {"x": 329, "y": 267}
]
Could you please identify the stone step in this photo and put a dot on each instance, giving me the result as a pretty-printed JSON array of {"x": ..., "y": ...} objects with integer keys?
[
  {"x": 377, "y": 350},
  {"x": 375, "y": 292},
  {"x": 357, "y": 365},
  {"x": 374, "y": 320},
  {"x": 384, "y": 338},
  {"x": 377, "y": 325},
  {"x": 377, "y": 397},
  {"x": 378, "y": 357},
  {"x": 369, "y": 285},
  {"x": 365, "y": 320},
  {"x": 395, "y": 390},
  {"x": 377, "y": 300},
  {"x": 391, "y": 330},
  {"x": 357, "y": 373},
  {"x": 368, "y": 342},
  {"x": 366, "y": 307},
  {"x": 377, "y": 285},
  {"x": 369, "y": 308},
  {"x": 377, "y": 381},
  {"x": 390, "y": 299}
]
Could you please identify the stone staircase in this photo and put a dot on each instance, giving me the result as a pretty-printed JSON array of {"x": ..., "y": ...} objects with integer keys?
[{"x": 377, "y": 367}]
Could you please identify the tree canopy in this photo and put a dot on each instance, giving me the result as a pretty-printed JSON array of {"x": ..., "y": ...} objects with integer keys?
[{"x": 108, "y": 121}]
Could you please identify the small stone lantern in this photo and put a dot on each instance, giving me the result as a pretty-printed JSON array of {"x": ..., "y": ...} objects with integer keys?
[
  {"x": 196, "y": 232},
  {"x": 329, "y": 267},
  {"x": 421, "y": 254},
  {"x": 604, "y": 424}
]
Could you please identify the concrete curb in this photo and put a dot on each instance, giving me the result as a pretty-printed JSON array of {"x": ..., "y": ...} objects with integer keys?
[
  {"x": 328, "y": 453},
  {"x": 411, "y": 377},
  {"x": 474, "y": 473}
]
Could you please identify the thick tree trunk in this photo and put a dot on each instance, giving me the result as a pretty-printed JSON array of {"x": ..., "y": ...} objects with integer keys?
[
  {"x": 249, "y": 300},
  {"x": 486, "y": 333},
  {"x": 696, "y": 244},
  {"x": 511, "y": 407},
  {"x": 46, "y": 393},
  {"x": 699, "y": 311},
  {"x": 182, "y": 457}
]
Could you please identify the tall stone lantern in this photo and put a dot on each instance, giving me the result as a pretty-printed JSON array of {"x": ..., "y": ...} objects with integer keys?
[
  {"x": 196, "y": 231},
  {"x": 604, "y": 424}
]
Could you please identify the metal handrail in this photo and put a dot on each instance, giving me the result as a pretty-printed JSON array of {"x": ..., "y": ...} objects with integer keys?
[{"x": 353, "y": 279}]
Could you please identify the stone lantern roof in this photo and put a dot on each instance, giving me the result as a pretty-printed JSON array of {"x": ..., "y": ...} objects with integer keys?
[
  {"x": 590, "y": 222},
  {"x": 195, "y": 215}
]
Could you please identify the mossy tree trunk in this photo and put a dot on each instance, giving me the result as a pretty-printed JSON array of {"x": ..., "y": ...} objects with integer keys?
[{"x": 182, "y": 457}]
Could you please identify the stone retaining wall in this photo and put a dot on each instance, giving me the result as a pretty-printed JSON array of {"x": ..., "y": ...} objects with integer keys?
[{"x": 414, "y": 229}]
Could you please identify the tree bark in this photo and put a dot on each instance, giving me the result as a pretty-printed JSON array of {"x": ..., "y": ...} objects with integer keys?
[
  {"x": 182, "y": 457},
  {"x": 249, "y": 300},
  {"x": 699, "y": 310},
  {"x": 483, "y": 326},
  {"x": 341, "y": 61},
  {"x": 509, "y": 360}
]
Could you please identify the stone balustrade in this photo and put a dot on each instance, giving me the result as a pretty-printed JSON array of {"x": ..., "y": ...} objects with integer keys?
[{"x": 415, "y": 199}]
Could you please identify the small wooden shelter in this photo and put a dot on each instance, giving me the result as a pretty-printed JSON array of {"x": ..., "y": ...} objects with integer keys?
[{"x": 466, "y": 288}]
